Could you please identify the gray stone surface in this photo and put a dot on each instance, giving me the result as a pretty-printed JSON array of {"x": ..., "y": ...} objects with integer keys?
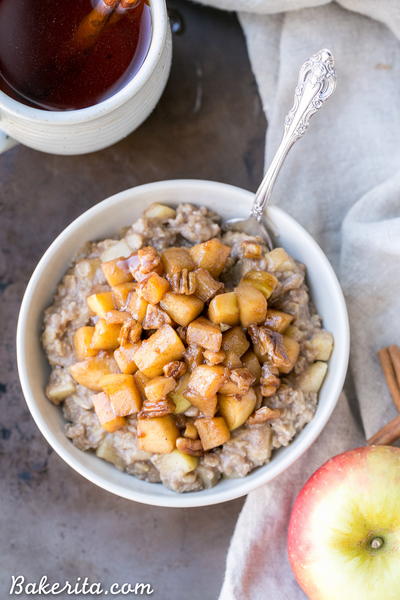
[{"x": 210, "y": 125}]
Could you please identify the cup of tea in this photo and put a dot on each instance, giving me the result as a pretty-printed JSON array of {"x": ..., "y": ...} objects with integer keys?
[{"x": 76, "y": 77}]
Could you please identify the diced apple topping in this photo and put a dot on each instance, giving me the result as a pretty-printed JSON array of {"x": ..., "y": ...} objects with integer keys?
[
  {"x": 159, "y": 349},
  {"x": 204, "y": 333},
  {"x": 101, "y": 303},
  {"x": 159, "y": 387},
  {"x": 116, "y": 271},
  {"x": 123, "y": 394},
  {"x": 124, "y": 358},
  {"x": 211, "y": 255},
  {"x": 237, "y": 409},
  {"x": 175, "y": 260},
  {"x": 82, "y": 343},
  {"x": 320, "y": 345},
  {"x": 277, "y": 320},
  {"x": 157, "y": 435},
  {"x": 177, "y": 463},
  {"x": 312, "y": 378},
  {"x": 89, "y": 372},
  {"x": 105, "y": 413},
  {"x": 252, "y": 304},
  {"x": 224, "y": 308},
  {"x": 235, "y": 340},
  {"x": 263, "y": 281},
  {"x": 121, "y": 294},
  {"x": 105, "y": 335},
  {"x": 213, "y": 432},
  {"x": 159, "y": 212},
  {"x": 181, "y": 308},
  {"x": 153, "y": 288},
  {"x": 191, "y": 361}
]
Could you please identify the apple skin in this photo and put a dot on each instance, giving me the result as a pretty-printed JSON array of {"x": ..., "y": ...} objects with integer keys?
[{"x": 352, "y": 499}]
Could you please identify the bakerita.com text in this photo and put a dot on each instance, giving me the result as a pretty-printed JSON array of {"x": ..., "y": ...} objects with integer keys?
[{"x": 81, "y": 586}]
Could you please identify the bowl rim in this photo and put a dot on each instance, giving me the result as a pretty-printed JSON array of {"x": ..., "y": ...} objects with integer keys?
[{"x": 188, "y": 499}]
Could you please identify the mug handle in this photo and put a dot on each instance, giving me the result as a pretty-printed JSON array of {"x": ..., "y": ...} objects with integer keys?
[{"x": 6, "y": 142}]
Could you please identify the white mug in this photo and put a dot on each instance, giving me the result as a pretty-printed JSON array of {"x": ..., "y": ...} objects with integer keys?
[{"x": 100, "y": 125}]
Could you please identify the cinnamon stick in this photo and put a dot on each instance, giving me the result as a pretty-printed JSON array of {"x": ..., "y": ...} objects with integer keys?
[
  {"x": 394, "y": 352},
  {"x": 387, "y": 364},
  {"x": 387, "y": 435}
]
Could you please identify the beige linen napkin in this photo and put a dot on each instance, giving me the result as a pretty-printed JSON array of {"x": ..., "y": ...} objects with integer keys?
[{"x": 342, "y": 182}]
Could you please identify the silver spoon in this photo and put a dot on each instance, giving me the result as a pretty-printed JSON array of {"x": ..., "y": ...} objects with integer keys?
[{"x": 317, "y": 81}]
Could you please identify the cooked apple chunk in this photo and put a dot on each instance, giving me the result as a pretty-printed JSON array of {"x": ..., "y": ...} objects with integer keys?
[
  {"x": 178, "y": 396},
  {"x": 292, "y": 350},
  {"x": 159, "y": 387},
  {"x": 277, "y": 320},
  {"x": 105, "y": 336},
  {"x": 252, "y": 305},
  {"x": 153, "y": 288},
  {"x": 214, "y": 358},
  {"x": 177, "y": 463},
  {"x": 121, "y": 294},
  {"x": 208, "y": 406},
  {"x": 101, "y": 303},
  {"x": 237, "y": 409},
  {"x": 263, "y": 281},
  {"x": 117, "y": 271},
  {"x": 181, "y": 308},
  {"x": 159, "y": 212},
  {"x": 141, "y": 381},
  {"x": 206, "y": 380},
  {"x": 175, "y": 260},
  {"x": 124, "y": 358},
  {"x": 157, "y": 435},
  {"x": 82, "y": 343},
  {"x": 232, "y": 360},
  {"x": 137, "y": 306},
  {"x": 213, "y": 432},
  {"x": 123, "y": 394},
  {"x": 159, "y": 349},
  {"x": 279, "y": 260},
  {"x": 321, "y": 345},
  {"x": 235, "y": 340},
  {"x": 204, "y": 333},
  {"x": 105, "y": 413},
  {"x": 312, "y": 378},
  {"x": 251, "y": 362},
  {"x": 206, "y": 286},
  {"x": 191, "y": 431},
  {"x": 107, "y": 451},
  {"x": 211, "y": 255},
  {"x": 224, "y": 308},
  {"x": 89, "y": 372}
]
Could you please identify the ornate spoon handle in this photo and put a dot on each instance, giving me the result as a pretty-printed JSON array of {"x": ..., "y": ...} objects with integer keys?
[{"x": 317, "y": 81}]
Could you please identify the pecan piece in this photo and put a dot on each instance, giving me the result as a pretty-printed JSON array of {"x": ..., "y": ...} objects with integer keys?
[
  {"x": 175, "y": 369},
  {"x": 131, "y": 331},
  {"x": 189, "y": 446},
  {"x": 243, "y": 378},
  {"x": 155, "y": 317},
  {"x": 263, "y": 414},
  {"x": 270, "y": 343},
  {"x": 160, "y": 408},
  {"x": 146, "y": 260},
  {"x": 183, "y": 283},
  {"x": 269, "y": 380}
]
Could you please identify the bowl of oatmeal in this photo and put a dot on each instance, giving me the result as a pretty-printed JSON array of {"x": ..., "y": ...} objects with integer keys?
[{"x": 174, "y": 364}]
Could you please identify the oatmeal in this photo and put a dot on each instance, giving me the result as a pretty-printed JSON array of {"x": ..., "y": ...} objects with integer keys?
[{"x": 181, "y": 354}]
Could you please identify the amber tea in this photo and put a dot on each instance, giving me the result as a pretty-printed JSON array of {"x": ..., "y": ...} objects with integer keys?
[{"x": 70, "y": 54}]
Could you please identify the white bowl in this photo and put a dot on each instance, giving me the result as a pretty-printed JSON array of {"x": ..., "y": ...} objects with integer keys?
[{"x": 106, "y": 219}]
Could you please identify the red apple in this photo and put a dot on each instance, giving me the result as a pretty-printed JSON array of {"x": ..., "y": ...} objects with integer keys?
[{"x": 344, "y": 531}]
